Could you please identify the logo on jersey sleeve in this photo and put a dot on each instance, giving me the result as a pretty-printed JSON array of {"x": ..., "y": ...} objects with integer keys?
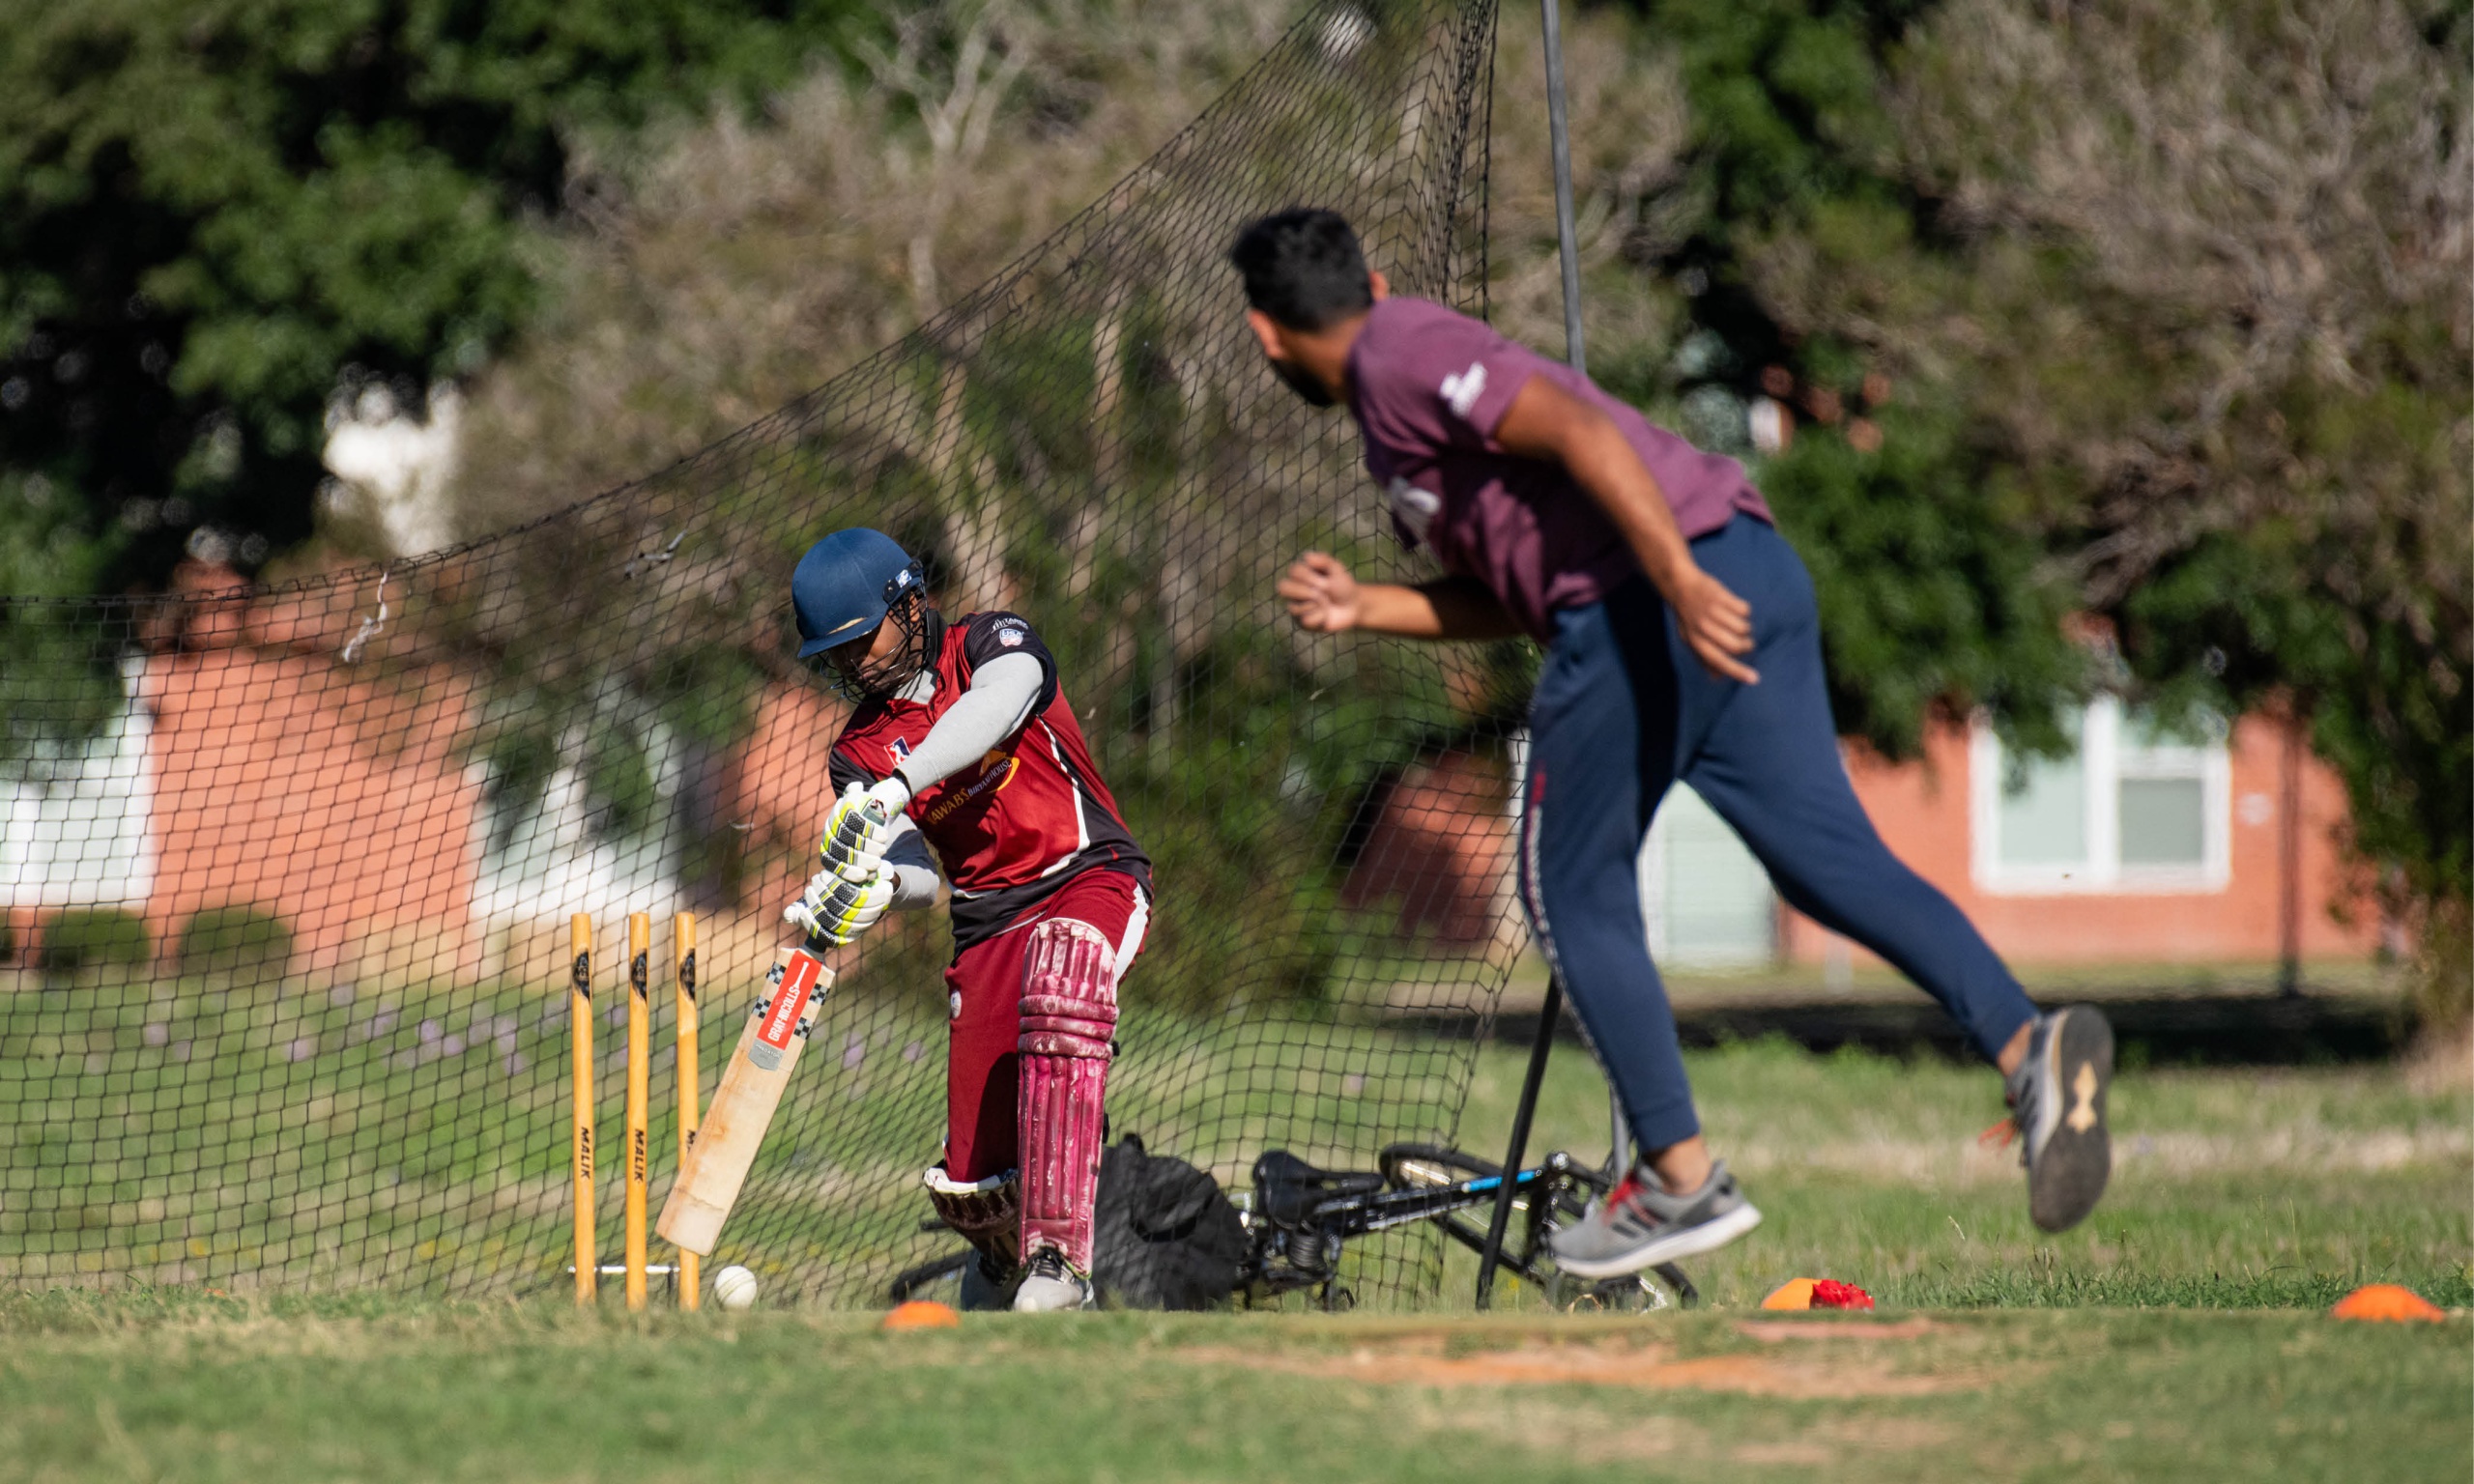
[
  {"x": 1462, "y": 391},
  {"x": 1413, "y": 507}
]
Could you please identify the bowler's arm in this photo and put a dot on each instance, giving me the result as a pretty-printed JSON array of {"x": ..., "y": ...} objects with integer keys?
[
  {"x": 1324, "y": 598},
  {"x": 1544, "y": 421}
]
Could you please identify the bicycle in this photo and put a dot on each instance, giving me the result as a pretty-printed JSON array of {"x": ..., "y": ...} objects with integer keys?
[{"x": 1301, "y": 1218}]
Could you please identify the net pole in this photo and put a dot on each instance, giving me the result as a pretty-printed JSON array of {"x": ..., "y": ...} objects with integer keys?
[
  {"x": 1619, "y": 1138},
  {"x": 1491, "y": 1254},
  {"x": 580, "y": 1021},
  {"x": 683, "y": 947},
  {"x": 1575, "y": 352},
  {"x": 1558, "y": 132},
  {"x": 1568, "y": 251},
  {"x": 640, "y": 1056}
]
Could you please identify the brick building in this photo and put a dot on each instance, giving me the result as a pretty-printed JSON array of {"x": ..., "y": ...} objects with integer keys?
[
  {"x": 251, "y": 770},
  {"x": 2142, "y": 847}
]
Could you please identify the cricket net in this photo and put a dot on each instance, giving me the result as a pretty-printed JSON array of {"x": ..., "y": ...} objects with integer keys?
[{"x": 289, "y": 871}]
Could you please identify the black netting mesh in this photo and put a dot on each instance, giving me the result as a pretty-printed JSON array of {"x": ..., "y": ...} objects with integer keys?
[{"x": 289, "y": 871}]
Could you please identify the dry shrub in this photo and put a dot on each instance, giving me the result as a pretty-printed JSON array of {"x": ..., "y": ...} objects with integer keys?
[{"x": 714, "y": 273}]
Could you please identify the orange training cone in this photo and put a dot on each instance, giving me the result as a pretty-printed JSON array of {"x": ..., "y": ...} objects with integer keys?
[
  {"x": 2386, "y": 1302},
  {"x": 1794, "y": 1294},
  {"x": 922, "y": 1313}
]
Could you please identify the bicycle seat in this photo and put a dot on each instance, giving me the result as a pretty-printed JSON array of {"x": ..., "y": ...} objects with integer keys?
[{"x": 1287, "y": 1189}]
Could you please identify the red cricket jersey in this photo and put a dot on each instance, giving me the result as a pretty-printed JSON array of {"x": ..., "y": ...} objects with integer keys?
[{"x": 1014, "y": 827}]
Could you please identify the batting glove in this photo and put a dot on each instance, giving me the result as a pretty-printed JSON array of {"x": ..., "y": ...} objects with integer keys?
[
  {"x": 839, "y": 910},
  {"x": 860, "y": 828}
]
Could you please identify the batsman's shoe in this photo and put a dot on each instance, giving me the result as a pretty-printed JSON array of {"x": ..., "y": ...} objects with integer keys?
[
  {"x": 1639, "y": 1225},
  {"x": 1049, "y": 1284},
  {"x": 2057, "y": 1111}
]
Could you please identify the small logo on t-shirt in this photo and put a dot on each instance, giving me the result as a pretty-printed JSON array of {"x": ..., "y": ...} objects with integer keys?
[
  {"x": 1010, "y": 637},
  {"x": 1413, "y": 507},
  {"x": 900, "y": 750},
  {"x": 1463, "y": 390}
]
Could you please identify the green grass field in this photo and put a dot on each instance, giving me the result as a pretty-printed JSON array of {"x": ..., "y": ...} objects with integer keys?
[
  {"x": 2181, "y": 1334},
  {"x": 2232, "y": 1188},
  {"x": 203, "y": 1390}
]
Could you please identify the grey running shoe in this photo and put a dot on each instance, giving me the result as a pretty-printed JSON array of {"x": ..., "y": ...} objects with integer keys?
[
  {"x": 1639, "y": 1225},
  {"x": 2057, "y": 1109},
  {"x": 1049, "y": 1284}
]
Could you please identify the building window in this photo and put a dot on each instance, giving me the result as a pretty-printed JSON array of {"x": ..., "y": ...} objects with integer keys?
[
  {"x": 1706, "y": 901},
  {"x": 2135, "y": 807}
]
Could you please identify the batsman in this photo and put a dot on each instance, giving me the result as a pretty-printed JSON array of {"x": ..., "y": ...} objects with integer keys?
[
  {"x": 1682, "y": 642},
  {"x": 962, "y": 752}
]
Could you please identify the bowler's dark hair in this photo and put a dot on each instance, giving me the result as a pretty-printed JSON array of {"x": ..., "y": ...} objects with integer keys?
[{"x": 1303, "y": 268}]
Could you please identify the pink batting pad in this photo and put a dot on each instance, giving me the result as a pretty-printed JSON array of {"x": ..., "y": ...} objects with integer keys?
[{"x": 1069, "y": 1013}]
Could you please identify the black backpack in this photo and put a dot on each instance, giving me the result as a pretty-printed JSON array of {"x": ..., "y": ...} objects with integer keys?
[{"x": 1165, "y": 1237}]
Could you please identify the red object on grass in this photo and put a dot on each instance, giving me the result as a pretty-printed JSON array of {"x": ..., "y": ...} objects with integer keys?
[{"x": 1831, "y": 1294}]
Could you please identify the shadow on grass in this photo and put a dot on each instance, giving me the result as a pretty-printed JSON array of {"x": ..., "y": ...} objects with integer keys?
[{"x": 2232, "y": 1030}]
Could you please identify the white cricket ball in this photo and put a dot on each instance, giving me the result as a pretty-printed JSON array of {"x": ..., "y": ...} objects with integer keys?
[{"x": 735, "y": 1288}]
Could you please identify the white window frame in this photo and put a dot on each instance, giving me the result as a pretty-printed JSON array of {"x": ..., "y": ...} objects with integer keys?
[{"x": 2105, "y": 760}]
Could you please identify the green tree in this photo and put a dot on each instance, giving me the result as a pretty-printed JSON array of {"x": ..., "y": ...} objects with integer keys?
[
  {"x": 215, "y": 216},
  {"x": 2153, "y": 312},
  {"x": 1932, "y": 599},
  {"x": 2214, "y": 311}
]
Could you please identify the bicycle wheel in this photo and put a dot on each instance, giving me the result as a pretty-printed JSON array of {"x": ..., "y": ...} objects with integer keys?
[{"x": 1632, "y": 1295}]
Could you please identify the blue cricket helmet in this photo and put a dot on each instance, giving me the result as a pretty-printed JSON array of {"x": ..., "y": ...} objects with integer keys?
[{"x": 845, "y": 585}]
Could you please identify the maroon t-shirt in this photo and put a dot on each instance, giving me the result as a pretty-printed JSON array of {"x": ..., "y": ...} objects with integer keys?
[{"x": 1429, "y": 386}]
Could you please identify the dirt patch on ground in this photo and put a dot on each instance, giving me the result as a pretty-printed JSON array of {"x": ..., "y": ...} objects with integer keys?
[
  {"x": 1773, "y": 1332},
  {"x": 1626, "y": 1432},
  {"x": 1424, "y": 1361}
]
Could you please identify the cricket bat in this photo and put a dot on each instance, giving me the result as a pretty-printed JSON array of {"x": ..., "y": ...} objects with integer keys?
[{"x": 725, "y": 1144}]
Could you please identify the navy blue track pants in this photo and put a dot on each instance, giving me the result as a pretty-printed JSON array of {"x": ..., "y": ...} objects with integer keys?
[{"x": 1622, "y": 709}]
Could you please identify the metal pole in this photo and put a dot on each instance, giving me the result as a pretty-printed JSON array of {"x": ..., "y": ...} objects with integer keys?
[
  {"x": 1577, "y": 355},
  {"x": 1619, "y": 1134},
  {"x": 2289, "y": 859},
  {"x": 1559, "y": 130},
  {"x": 1491, "y": 1254}
]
